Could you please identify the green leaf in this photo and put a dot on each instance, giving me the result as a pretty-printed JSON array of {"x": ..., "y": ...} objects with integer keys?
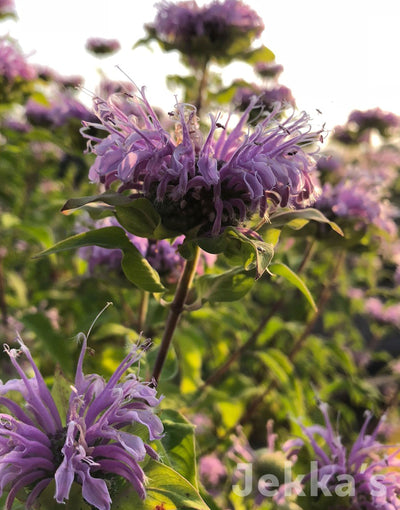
[
  {"x": 229, "y": 286},
  {"x": 61, "y": 392},
  {"x": 297, "y": 218},
  {"x": 277, "y": 268},
  {"x": 51, "y": 340},
  {"x": 166, "y": 490},
  {"x": 278, "y": 363},
  {"x": 134, "y": 265},
  {"x": 178, "y": 445},
  {"x": 262, "y": 54},
  {"x": 109, "y": 198},
  {"x": 140, "y": 218},
  {"x": 75, "y": 501},
  {"x": 238, "y": 249}
]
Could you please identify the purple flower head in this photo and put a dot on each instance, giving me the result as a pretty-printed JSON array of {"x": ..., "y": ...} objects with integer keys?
[
  {"x": 376, "y": 484},
  {"x": 109, "y": 87},
  {"x": 264, "y": 461},
  {"x": 16, "y": 125},
  {"x": 101, "y": 46},
  {"x": 205, "y": 32},
  {"x": 7, "y": 8},
  {"x": 377, "y": 310},
  {"x": 374, "y": 119},
  {"x": 13, "y": 64},
  {"x": 208, "y": 182},
  {"x": 57, "y": 112},
  {"x": 70, "y": 82},
  {"x": 267, "y": 98},
  {"x": 48, "y": 74},
  {"x": 268, "y": 69},
  {"x": 360, "y": 201},
  {"x": 329, "y": 163},
  {"x": 212, "y": 473},
  {"x": 345, "y": 135},
  {"x": 85, "y": 446}
]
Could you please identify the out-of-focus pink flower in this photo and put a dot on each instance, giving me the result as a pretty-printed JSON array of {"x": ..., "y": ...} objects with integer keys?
[
  {"x": 389, "y": 314},
  {"x": 267, "y": 98},
  {"x": 57, "y": 111},
  {"x": 268, "y": 69},
  {"x": 13, "y": 64},
  {"x": 204, "y": 32},
  {"x": 212, "y": 473},
  {"x": 101, "y": 46},
  {"x": 7, "y": 9}
]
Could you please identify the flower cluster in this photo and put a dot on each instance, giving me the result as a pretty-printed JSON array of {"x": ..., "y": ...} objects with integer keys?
[
  {"x": 57, "y": 112},
  {"x": 360, "y": 204},
  {"x": 374, "y": 119},
  {"x": 268, "y": 69},
  {"x": 360, "y": 124},
  {"x": 212, "y": 473},
  {"x": 375, "y": 483},
  {"x": 388, "y": 314},
  {"x": 13, "y": 64},
  {"x": 208, "y": 183},
  {"x": 267, "y": 98},
  {"x": 100, "y": 46},
  {"x": 48, "y": 74},
  {"x": 205, "y": 32},
  {"x": 264, "y": 461},
  {"x": 38, "y": 446},
  {"x": 7, "y": 8},
  {"x": 360, "y": 190}
]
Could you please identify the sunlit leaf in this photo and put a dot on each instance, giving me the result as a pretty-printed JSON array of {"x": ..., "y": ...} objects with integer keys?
[
  {"x": 108, "y": 198},
  {"x": 240, "y": 250},
  {"x": 166, "y": 490},
  {"x": 262, "y": 54},
  {"x": 179, "y": 445},
  {"x": 61, "y": 391},
  {"x": 140, "y": 218},
  {"x": 298, "y": 218},
  {"x": 283, "y": 270},
  {"x": 229, "y": 286},
  {"x": 277, "y": 362}
]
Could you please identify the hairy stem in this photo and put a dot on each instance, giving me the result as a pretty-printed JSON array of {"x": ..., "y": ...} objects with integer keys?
[{"x": 175, "y": 311}]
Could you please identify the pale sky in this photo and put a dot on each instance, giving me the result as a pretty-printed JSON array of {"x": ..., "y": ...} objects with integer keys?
[{"x": 338, "y": 55}]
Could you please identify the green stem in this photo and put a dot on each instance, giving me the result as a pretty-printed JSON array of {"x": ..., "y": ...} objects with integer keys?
[
  {"x": 202, "y": 86},
  {"x": 143, "y": 307},
  {"x": 175, "y": 311},
  {"x": 3, "y": 304}
]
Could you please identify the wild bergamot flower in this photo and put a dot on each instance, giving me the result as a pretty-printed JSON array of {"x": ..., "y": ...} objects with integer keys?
[
  {"x": 204, "y": 183},
  {"x": 37, "y": 445}
]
